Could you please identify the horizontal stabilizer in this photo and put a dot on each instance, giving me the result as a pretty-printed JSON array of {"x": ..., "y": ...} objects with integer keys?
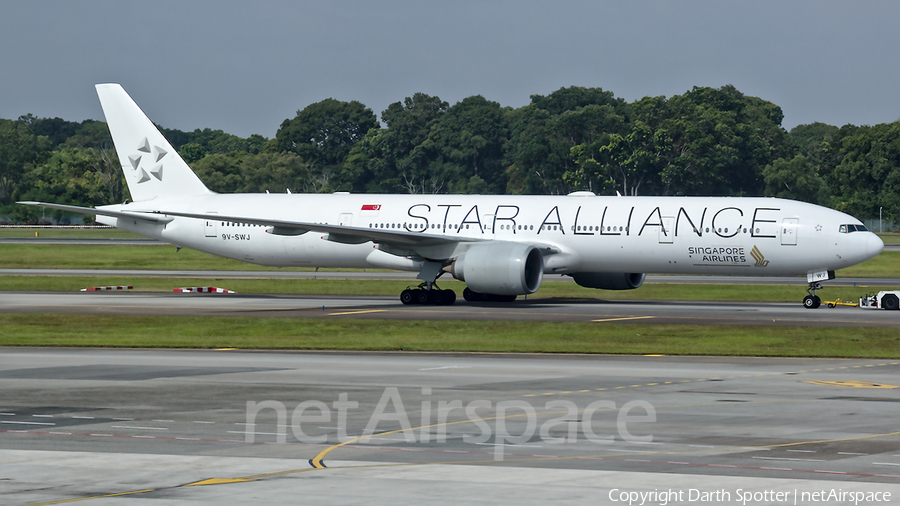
[{"x": 153, "y": 218}]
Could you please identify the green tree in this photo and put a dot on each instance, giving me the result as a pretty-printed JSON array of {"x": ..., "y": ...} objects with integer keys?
[
  {"x": 632, "y": 160},
  {"x": 70, "y": 176},
  {"x": 398, "y": 158},
  {"x": 20, "y": 151},
  {"x": 813, "y": 140},
  {"x": 242, "y": 172},
  {"x": 867, "y": 175},
  {"x": 324, "y": 133},
  {"x": 222, "y": 173},
  {"x": 795, "y": 179},
  {"x": 469, "y": 139},
  {"x": 540, "y": 157},
  {"x": 721, "y": 141},
  {"x": 90, "y": 134},
  {"x": 192, "y": 152}
]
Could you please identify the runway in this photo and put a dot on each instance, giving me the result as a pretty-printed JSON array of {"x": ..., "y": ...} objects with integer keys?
[
  {"x": 401, "y": 428},
  {"x": 377, "y": 307}
]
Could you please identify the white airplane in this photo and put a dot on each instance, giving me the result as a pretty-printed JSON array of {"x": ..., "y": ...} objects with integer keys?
[{"x": 499, "y": 245}]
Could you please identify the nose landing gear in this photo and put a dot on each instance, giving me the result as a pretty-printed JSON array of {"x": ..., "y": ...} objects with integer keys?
[{"x": 812, "y": 301}]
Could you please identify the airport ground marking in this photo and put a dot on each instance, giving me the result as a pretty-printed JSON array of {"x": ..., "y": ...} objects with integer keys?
[
  {"x": 216, "y": 481},
  {"x": 359, "y": 312},
  {"x": 624, "y": 318},
  {"x": 859, "y": 384},
  {"x": 118, "y": 494},
  {"x": 852, "y": 384}
]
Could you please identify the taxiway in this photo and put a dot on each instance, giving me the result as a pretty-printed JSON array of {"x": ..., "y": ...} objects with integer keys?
[
  {"x": 184, "y": 426},
  {"x": 380, "y": 307}
]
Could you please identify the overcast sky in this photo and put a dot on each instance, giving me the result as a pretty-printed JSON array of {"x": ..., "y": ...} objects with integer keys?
[{"x": 244, "y": 67}]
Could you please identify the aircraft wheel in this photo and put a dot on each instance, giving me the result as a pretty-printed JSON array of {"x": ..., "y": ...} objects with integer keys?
[
  {"x": 406, "y": 297},
  {"x": 470, "y": 295},
  {"x": 449, "y": 297},
  {"x": 811, "y": 302},
  {"x": 438, "y": 297},
  {"x": 421, "y": 296},
  {"x": 890, "y": 301}
]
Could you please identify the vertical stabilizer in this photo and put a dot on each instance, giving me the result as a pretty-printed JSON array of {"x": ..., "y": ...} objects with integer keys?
[{"x": 152, "y": 167}]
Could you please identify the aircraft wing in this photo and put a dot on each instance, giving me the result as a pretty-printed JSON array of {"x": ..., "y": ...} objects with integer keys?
[
  {"x": 338, "y": 233},
  {"x": 103, "y": 212}
]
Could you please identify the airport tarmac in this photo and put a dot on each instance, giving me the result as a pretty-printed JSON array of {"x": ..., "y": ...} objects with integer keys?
[
  {"x": 411, "y": 276},
  {"x": 232, "y": 426},
  {"x": 380, "y": 307}
]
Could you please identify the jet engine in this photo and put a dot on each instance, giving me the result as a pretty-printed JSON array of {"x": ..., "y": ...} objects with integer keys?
[
  {"x": 501, "y": 268},
  {"x": 609, "y": 280}
]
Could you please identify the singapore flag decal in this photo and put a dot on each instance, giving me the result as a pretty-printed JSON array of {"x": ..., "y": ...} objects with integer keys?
[{"x": 371, "y": 207}]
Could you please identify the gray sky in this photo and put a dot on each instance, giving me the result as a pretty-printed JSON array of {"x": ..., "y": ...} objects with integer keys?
[{"x": 244, "y": 67}]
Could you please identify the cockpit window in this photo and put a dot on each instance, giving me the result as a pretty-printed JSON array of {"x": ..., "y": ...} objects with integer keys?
[{"x": 846, "y": 229}]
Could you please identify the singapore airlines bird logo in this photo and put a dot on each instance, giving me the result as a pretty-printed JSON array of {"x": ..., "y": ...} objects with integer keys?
[{"x": 758, "y": 256}]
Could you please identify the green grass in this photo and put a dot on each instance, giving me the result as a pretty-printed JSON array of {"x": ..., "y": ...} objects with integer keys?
[
  {"x": 75, "y": 256},
  {"x": 416, "y": 335},
  {"x": 68, "y": 233},
  {"x": 890, "y": 237},
  {"x": 109, "y": 256},
  {"x": 885, "y": 265},
  {"x": 103, "y": 256}
]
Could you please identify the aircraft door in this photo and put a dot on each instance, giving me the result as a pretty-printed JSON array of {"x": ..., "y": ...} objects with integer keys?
[
  {"x": 210, "y": 227},
  {"x": 789, "y": 228},
  {"x": 346, "y": 219},
  {"x": 667, "y": 230}
]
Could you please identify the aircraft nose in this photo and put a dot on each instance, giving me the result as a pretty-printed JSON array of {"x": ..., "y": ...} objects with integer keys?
[{"x": 874, "y": 245}]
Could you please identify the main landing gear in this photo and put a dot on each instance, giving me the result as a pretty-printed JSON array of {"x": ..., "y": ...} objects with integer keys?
[
  {"x": 473, "y": 296},
  {"x": 812, "y": 301},
  {"x": 422, "y": 295},
  {"x": 428, "y": 293}
]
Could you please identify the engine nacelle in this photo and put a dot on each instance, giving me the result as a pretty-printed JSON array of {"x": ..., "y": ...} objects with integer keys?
[
  {"x": 502, "y": 268},
  {"x": 609, "y": 280}
]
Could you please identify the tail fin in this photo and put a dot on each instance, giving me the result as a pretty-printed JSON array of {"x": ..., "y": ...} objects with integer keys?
[{"x": 152, "y": 166}]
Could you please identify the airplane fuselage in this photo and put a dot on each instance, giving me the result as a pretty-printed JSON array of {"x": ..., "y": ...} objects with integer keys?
[{"x": 583, "y": 233}]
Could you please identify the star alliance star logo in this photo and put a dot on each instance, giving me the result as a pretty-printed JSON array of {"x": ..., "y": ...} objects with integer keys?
[{"x": 145, "y": 154}]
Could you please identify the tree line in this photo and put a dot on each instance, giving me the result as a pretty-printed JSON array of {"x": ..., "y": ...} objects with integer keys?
[{"x": 707, "y": 141}]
